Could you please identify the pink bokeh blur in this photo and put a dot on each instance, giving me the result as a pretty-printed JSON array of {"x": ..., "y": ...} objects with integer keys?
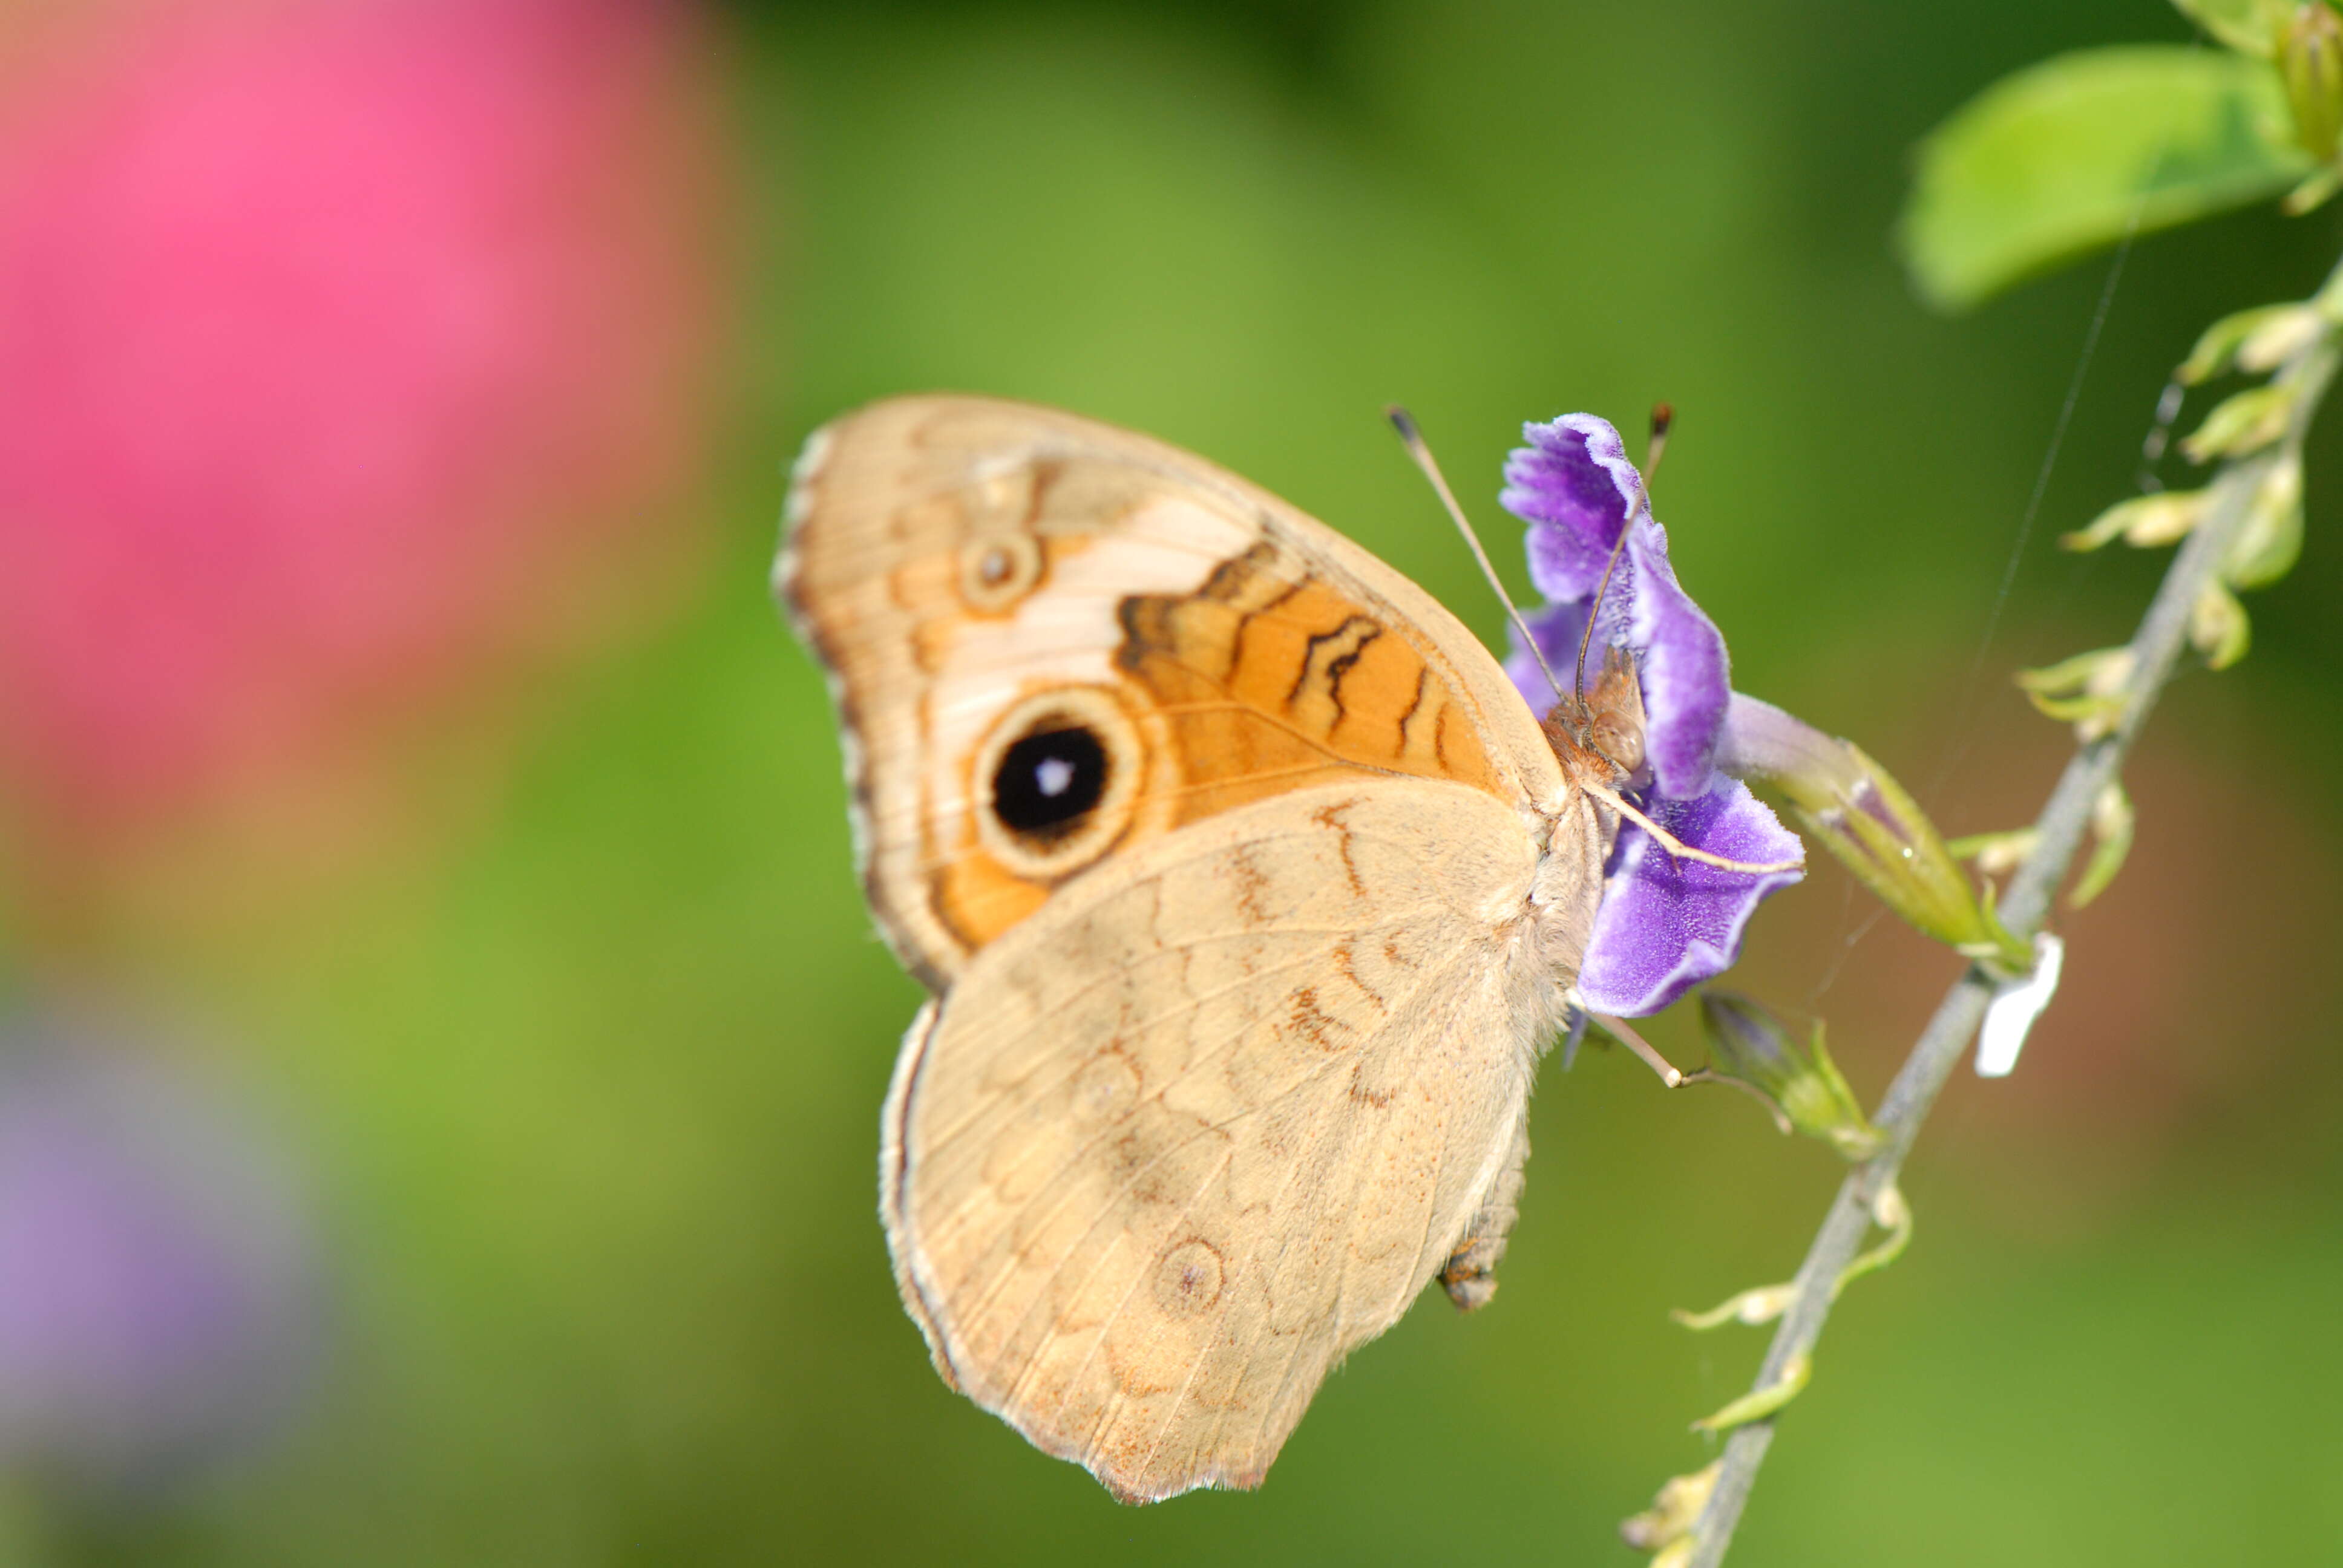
[{"x": 354, "y": 357}]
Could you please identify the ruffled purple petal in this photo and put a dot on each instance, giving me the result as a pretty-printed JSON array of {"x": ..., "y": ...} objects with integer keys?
[
  {"x": 1666, "y": 925},
  {"x": 1572, "y": 483},
  {"x": 1574, "y": 486},
  {"x": 1687, "y": 681}
]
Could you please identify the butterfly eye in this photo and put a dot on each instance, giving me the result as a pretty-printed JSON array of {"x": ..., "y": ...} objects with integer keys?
[{"x": 1057, "y": 781}]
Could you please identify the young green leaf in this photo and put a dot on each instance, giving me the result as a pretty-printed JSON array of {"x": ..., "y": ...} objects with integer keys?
[{"x": 2064, "y": 156}]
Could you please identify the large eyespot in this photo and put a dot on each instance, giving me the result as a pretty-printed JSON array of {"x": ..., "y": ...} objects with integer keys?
[
  {"x": 1056, "y": 780},
  {"x": 1048, "y": 782}
]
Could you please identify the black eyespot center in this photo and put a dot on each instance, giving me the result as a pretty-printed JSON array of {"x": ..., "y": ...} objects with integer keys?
[{"x": 1049, "y": 780}]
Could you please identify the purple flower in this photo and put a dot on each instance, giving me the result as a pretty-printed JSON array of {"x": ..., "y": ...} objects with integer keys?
[
  {"x": 158, "y": 1291},
  {"x": 1665, "y": 924}
]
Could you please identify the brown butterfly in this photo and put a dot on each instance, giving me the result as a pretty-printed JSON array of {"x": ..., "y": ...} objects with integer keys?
[{"x": 1249, "y": 891}]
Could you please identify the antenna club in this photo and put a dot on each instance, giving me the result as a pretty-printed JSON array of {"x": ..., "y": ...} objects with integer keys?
[{"x": 1663, "y": 415}]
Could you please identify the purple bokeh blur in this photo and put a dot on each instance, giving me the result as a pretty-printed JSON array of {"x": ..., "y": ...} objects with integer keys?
[{"x": 159, "y": 1296}]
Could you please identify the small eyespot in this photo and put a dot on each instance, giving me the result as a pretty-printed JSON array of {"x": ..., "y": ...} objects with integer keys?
[
  {"x": 1188, "y": 1279},
  {"x": 997, "y": 571}
]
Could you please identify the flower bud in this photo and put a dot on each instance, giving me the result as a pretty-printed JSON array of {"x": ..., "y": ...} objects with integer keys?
[
  {"x": 2311, "y": 60},
  {"x": 2112, "y": 825},
  {"x": 2241, "y": 424},
  {"x": 2285, "y": 333},
  {"x": 1674, "y": 1509},
  {"x": 1758, "y": 1305},
  {"x": 2217, "y": 349},
  {"x": 2270, "y": 540},
  {"x": 1747, "y": 1042},
  {"x": 1862, "y": 816},
  {"x": 2218, "y": 627},
  {"x": 2163, "y": 519},
  {"x": 1760, "y": 1402},
  {"x": 1995, "y": 854},
  {"x": 2087, "y": 690}
]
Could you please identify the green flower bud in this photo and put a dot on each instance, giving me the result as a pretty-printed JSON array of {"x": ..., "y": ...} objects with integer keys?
[
  {"x": 2218, "y": 627},
  {"x": 1862, "y": 816},
  {"x": 2286, "y": 332},
  {"x": 1747, "y": 1042},
  {"x": 1674, "y": 1510},
  {"x": 2310, "y": 59},
  {"x": 1996, "y": 854},
  {"x": 2086, "y": 691},
  {"x": 2112, "y": 823},
  {"x": 2269, "y": 542},
  {"x": 2147, "y": 521},
  {"x": 2241, "y": 424},
  {"x": 1759, "y": 1403},
  {"x": 2217, "y": 349}
]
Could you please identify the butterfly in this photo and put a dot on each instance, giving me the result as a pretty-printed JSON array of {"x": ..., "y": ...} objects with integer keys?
[{"x": 1248, "y": 891}]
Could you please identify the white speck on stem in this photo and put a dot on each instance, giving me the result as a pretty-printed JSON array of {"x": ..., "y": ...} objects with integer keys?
[{"x": 2015, "y": 1006}]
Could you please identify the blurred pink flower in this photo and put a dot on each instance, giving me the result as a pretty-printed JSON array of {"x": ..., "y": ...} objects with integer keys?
[{"x": 345, "y": 350}]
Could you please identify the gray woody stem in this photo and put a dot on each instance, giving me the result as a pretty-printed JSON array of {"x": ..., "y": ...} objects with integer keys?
[{"x": 2155, "y": 648}]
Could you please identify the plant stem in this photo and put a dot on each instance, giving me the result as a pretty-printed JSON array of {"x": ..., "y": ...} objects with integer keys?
[{"x": 2155, "y": 648}]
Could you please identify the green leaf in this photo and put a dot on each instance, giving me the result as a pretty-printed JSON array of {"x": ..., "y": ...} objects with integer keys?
[
  {"x": 2250, "y": 25},
  {"x": 2064, "y": 156}
]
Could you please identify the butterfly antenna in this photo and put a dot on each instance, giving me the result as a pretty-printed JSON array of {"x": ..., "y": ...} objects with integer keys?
[
  {"x": 1586, "y": 638},
  {"x": 1663, "y": 416},
  {"x": 1413, "y": 439}
]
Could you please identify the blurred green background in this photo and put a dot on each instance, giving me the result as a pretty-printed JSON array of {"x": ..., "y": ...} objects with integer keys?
[{"x": 572, "y": 1013}]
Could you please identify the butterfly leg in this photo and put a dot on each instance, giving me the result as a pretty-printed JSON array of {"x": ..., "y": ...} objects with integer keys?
[
  {"x": 1619, "y": 1030},
  {"x": 1646, "y": 1051},
  {"x": 1676, "y": 848}
]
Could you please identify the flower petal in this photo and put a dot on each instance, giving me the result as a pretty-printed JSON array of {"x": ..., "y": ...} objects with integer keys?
[
  {"x": 1572, "y": 483},
  {"x": 1759, "y": 741},
  {"x": 1576, "y": 487},
  {"x": 1666, "y": 925},
  {"x": 1687, "y": 677}
]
